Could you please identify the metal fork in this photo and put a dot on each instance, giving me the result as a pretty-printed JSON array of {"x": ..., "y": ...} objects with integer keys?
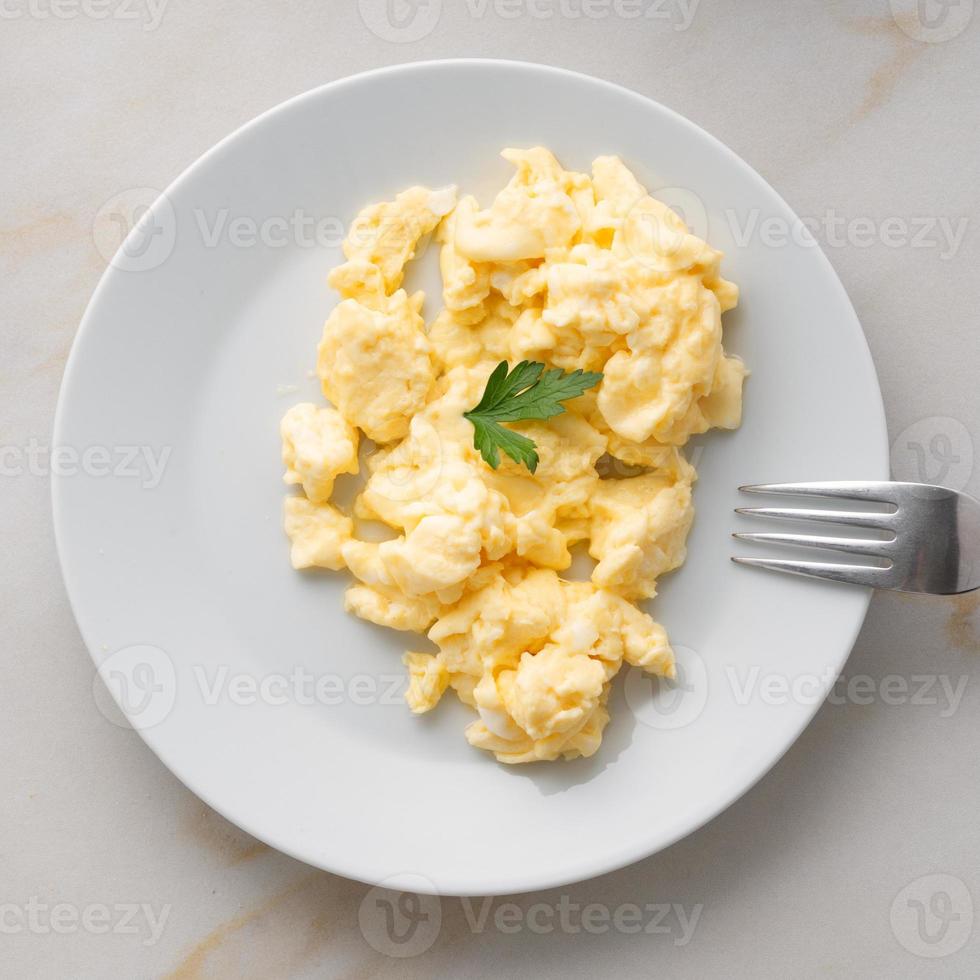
[{"x": 934, "y": 546}]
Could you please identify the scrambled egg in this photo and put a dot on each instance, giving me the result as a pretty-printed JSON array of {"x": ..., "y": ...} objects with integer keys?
[{"x": 575, "y": 270}]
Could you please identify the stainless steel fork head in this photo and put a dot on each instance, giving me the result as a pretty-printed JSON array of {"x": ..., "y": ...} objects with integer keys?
[{"x": 933, "y": 547}]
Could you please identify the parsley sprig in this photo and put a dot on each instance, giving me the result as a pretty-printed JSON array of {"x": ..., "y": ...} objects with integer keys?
[{"x": 515, "y": 396}]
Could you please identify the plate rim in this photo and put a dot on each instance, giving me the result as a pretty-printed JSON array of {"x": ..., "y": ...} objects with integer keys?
[{"x": 578, "y": 870}]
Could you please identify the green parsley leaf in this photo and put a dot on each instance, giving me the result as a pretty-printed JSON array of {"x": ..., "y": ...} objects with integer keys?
[{"x": 526, "y": 392}]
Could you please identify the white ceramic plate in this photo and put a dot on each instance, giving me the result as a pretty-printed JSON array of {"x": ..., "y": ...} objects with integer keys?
[{"x": 195, "y": 344}]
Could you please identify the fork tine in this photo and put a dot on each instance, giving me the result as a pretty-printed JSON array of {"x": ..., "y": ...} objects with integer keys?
[
  {"x": 853, "y": 574},
  {"x": 876, "y": 492},
  {"x": 855, "y": 518},
  {"x": 857, "y": 546}
]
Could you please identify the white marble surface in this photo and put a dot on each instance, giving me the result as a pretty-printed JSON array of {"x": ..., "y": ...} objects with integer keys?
[{"x": 864, "y": 120}]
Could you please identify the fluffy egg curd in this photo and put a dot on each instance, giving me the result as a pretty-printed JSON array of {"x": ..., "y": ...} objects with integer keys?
[{"x": 574, "y": 270}]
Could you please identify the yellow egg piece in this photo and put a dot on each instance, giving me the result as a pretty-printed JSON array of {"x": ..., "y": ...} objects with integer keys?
[{"x": 573, "y": 270}]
